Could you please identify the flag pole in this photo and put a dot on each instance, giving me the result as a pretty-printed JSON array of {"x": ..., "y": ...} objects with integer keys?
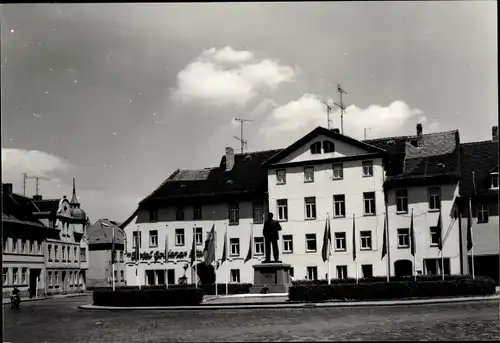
[
  {"x": 441, "y": 240},
  {"x": 386, "y": 238},
  {"x": 229, "y": 275},
  {"x": 354, "y": 247},
  {"x": 113, "y": 260},
  {"x": 137, "y": 240},
  {"x": 414, "y": 246},
  {"x": 472, "y": 236},
  {"x": 329, "y": 250},
  {"x": 215, "y": 262}
]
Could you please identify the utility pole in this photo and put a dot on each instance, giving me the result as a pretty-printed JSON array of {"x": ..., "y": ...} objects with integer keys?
[
  {"x": 342, "y": 108},
  {"x": 369, "y": 128},
  {"x": 243, "y": 142},
  {"x": 328, "y": 111},
  {"x": 36, "y": 178}
]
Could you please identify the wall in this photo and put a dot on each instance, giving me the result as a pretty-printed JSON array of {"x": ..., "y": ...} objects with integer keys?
[{"x": 100, "y": 270}]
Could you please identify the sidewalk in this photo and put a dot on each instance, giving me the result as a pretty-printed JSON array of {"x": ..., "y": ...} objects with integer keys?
[{"x": 6, "y": 301}]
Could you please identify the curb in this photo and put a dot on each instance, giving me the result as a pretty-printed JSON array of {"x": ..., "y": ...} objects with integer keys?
[
  {"x": 51, "y": 297},
  {"x": 291, "y": 305}
]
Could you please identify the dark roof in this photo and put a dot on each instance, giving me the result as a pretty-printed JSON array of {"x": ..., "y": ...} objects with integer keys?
[
  {"x": 129, "y": 219},
  {"x": 316, "y": 132},
  {"x": 102, "y": 232},
  {"x": 47, "y": 205},
  {"x": 482, "y": 159},
  {"x": 18, "y": 209},
  {"x": 246, "y": 177}
]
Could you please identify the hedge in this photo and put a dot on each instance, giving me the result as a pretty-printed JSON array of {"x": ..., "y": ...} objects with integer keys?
[
  {"x": 182, "y": 296},
  {"x": 458, "y": 286},
  {"x": 233, "y": 288},
  {"x": 381, "y": 279}
]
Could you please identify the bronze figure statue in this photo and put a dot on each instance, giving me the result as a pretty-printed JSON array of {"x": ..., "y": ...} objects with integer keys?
[{"x": 271, "y": 236}]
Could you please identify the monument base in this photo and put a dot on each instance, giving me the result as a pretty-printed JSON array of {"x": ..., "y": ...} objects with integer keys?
[{"x": 275, "y": 277}]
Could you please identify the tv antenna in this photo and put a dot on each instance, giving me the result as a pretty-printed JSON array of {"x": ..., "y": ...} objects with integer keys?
[
  {"x": 328, "y": 111},
  {"x": 37, "y": 178},
  {"x": 342, "y": 107},
  {"x": 243, "y": 142},
  {"x": 367, "y": 129}
]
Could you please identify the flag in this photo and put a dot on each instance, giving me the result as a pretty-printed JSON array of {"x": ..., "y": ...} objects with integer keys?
[
  {"x": 250, "y": 247},
  {"x": 353, "y": 239},
  {"x": 113, "y": 258},
  {"x": 166, "y": 247},
  {"x": 384, "y": 245},
  {"x": 440, "y": 232},
  {"x": 469, "y": 230},
  {"x": 137, "y": 241},
  {"x": 209, "y": 250},
  {"x": 327, "y": 240},
  {"x": 412, "y": 236},
  {"x": 193, "y": 248},
  {"x": 224, "y": 250}
]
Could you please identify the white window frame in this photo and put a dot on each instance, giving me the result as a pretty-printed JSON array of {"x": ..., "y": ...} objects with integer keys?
[
  {"x": 311, "y": 237},
  {"x": 482, "y": 213},
  {"x": 340, "y": 241},
  {"x": 338, "y": 171},
  {"x": 403, "y": 236},
  {"x": 197, "y": 212},
  {"x": 258, "y": 212},
  {"x": 40, "y": 247},
  {"x": 434, "y": 194},
  {"x": 199, "y": 235},
  {"x": 401, "y": 201},
  {"x": 288, "y": 244},
  {"x": 365, "y": 237},
  {"x": 434, "y": 232},
  {"x": 56, "y": 252},
  {"x": 339, "y": 206},
  {"x": 51, "y": 279},
  {"x": 310, "y": 208},
  {"x": 281, "y": 176},
  {"x": 308, "y": 174},
  {"x": 234, "y": 213},
  {"x": 180, "y": 238},
  {"x": 494, "y": 176},
  {"x": 282, "y": 209},
  {"x": 6, "y": 245},
  {"x": 153, "y": 238},
  {"x": 259, "y": 245},
  {"x": 367, "y": 168},
  {"x": 75, "y": 254},
  {"x": 15, "y": 276},
  {"x": 235, "y": 276},
  {"x": 316, "y": 144},
  {"x": 5, "y": 275},
  {"x": 312, "y": 272},
  {"x": 371, "y": 203},
  {"x": 342, "y": 272},
  {"x": 83, "y": 254},
  {"x": 234, "y": 247},
  {"x": 328, "y": 143},
  {"x": 122, "y": 275},
  {"x": 134, "y": 239},
  {"x": 15, "y": 245}
]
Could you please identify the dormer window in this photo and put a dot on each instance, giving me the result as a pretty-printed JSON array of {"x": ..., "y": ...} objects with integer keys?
[
  {"x": 494, "y": 180},
  {"x": 153, "y": 215},
  {"x": 328, "y": 147},
  {"x": 316, "y": 148}
]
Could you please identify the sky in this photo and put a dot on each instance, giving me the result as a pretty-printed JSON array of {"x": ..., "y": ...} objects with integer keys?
[{"x": 120, "y": 95}]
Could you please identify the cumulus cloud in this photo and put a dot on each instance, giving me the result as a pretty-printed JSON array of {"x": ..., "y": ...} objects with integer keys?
[
  {"x": 40, "y": 163},
  {"x": 294, "y": 119},
  {"x": 209, "y": 79}
]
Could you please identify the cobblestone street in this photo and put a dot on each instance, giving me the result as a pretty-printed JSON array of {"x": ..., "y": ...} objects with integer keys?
[{"x": 58, "y": 320}]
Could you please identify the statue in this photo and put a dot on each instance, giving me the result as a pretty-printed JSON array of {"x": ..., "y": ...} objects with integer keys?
[{"x": 271, "y": 236}]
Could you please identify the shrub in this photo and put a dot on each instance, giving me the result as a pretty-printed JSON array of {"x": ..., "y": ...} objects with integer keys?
[
  {"x": 381, "y": 279},
  {"x": 423, "y": 288},
  {"x": 180, "y": 296}
]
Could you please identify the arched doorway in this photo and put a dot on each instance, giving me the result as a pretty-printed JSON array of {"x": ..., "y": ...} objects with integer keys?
[{"x": 403, "y": 268}]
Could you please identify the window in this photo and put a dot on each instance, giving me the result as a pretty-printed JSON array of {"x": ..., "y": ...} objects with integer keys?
[
  {"x": 116, "y": 275},
  {"x": 122, "y": 276},
  {"x": 328, "y": 147},
  {"x": 153, "y": 215},
  {"x": 367, "y": 270},
  {"x": 235, "y": 275},
  {"x": 199, "y": 236},
  {"x": 258, "y": 212},
  {"x": 24, "y": 246},
  {"x": 340, "y": 241},
  {"x": 32, "y": 248},
  {"x": 311, "y": 242},
  {"x": 366, "y": 240},
  {"x": 281, "y": 176},
  {"x": 282, "y": 209},
  {"x": 234, "y": 213},
  {"x": 234, "y": 244},
  {"x": 15, "y": 277},
  {"x": 434, "y": 236},
  {"x": 309, "y": 174},
  {"x": 339, "y": 205},
  {"x": 316, "y": 148},
  {"x": 434, "y": 198},
  {"x": 432, "y": 266},
  {"x": 369, "y": 200},
  {"x": 197, "y": 212},
  {"x": 338, "y": 171},
  {"x": 134, "y": 239},
  {"x": 63, "y": 252},
  {"x": 342, "y": 272},
  {"x": 494, "y": 180},
  {"x": 14, "y": 245},
  {"x": 121, "y": 256},
  {"x": 40, "y": 247},
  {"x": 310, "y": 203},
  {"x": 287, "y": 244},
  {"x": 179, "y": 237},
  {"x": 367, "y": 168},
  {"x": 75, "y": 254},
  {"x": 153, "y": 238},
  {"x": 403, "y": 238},
  {"x": 5, "y": 276},
  {"x": 312, "y": 273},
  {"x": 56, "y": 253},
  {"x": 51, "y": 280},
  {"x": 259, "y": 245},
  {"x": 5, "y": 244},
  {"x": 482, "y": 213},
  {"x": 83, "y": 255},
  {"x": 402, "y": 201},
  {"x": 49, "y": 251},
  {"x": 179, "y": 213}
]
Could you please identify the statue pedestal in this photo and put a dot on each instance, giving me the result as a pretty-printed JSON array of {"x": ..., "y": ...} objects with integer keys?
[{"x": 276, "y": 276}]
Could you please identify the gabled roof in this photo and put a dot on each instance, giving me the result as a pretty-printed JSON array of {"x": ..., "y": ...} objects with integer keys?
[
  {"x": 18, "y": 209},
  {"x": 321, "y": 131},
  {"x": 482, "y": 159},
  {"x": 47, "y": 205},
  {"x": 101, "y": 232},
  {"x": 246, "y": 177},
  {"x": 129, "y": 219}
]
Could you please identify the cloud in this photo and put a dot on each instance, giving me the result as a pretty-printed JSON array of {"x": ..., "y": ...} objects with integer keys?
[
  {"x": 39, "y": 163},
  {"x": 294, "y": 119},
  {"x": 210, "y": 81}
]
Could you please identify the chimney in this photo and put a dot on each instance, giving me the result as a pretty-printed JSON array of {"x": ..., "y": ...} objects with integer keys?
[
  {"x": 419, "y": 130},
  {"x": 7, "y": 188},
  {"x": 229, "y": 158},
  {"x": 37, "y": 197},
  {"x": 336, "y": 130},
  {"x": 494, "y": 133}
]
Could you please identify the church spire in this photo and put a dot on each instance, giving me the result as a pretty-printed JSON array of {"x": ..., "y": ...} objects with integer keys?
[{"x": 74, "y": 199}]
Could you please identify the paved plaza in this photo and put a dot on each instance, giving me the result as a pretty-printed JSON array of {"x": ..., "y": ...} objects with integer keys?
[{"x": 59, "y": 320}]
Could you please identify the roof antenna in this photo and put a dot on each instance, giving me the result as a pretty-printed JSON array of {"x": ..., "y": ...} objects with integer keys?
[
  {"x": 243, "y": 142},
  {"x": 328, "y": 111},
  {"x": 342, "y": 108}
]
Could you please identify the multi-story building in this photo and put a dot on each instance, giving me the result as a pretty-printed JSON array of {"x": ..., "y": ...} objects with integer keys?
[
  {"x": 100, "y": 238},
  {"x": 24, "y": 238},
  {"x": 479, "y": 189}
]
